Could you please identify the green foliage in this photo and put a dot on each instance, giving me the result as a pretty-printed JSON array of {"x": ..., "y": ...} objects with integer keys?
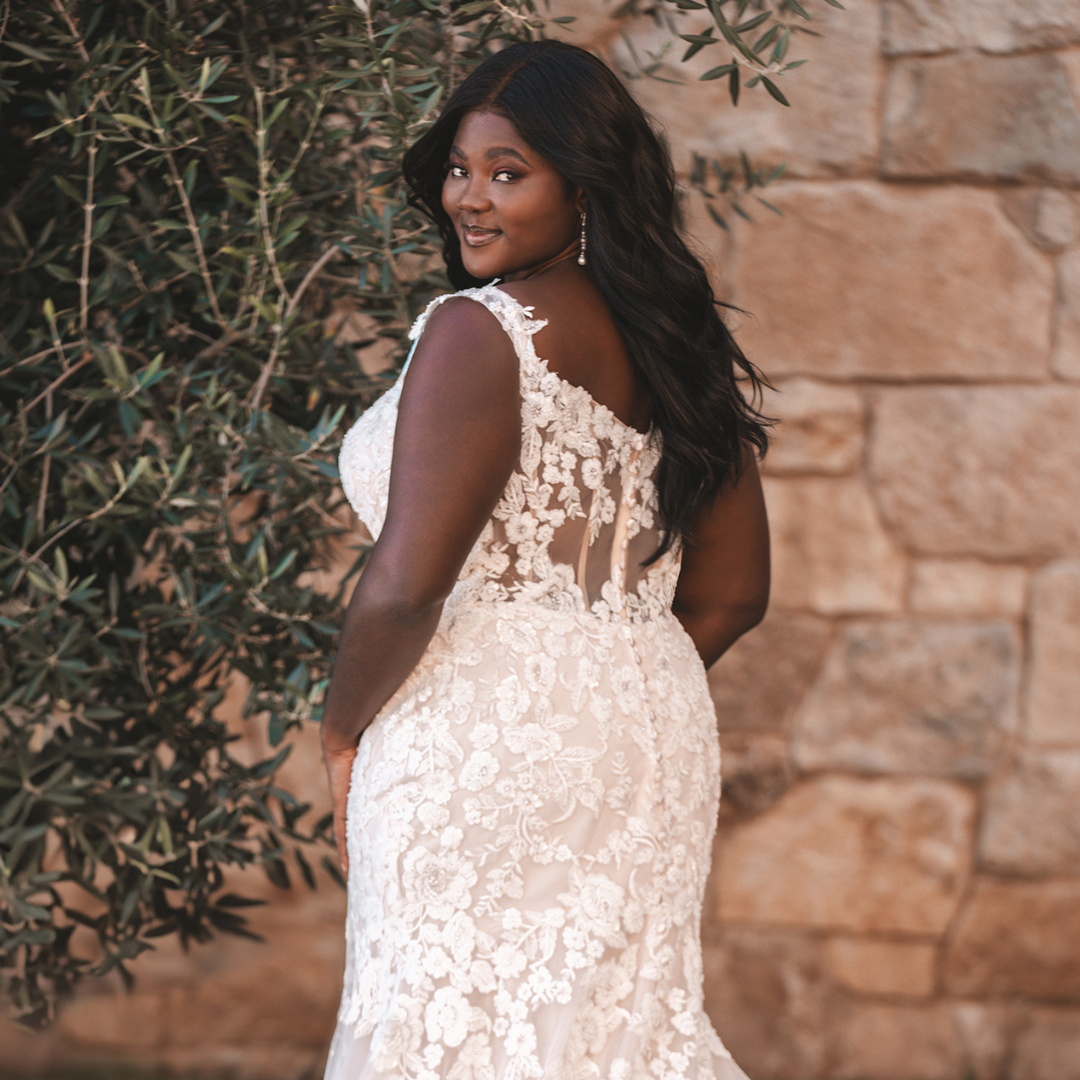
[{"x": 193, "y": 188}]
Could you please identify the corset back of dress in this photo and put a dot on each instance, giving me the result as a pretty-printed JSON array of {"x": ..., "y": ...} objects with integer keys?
[{"x": 577, "y": 520}]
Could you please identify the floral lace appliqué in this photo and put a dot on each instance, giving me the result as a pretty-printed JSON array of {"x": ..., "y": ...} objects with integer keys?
[{"x": 531, "y": 815}]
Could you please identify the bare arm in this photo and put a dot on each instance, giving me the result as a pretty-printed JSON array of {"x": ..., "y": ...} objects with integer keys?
[
  {"x": 458, "y": 438},
  {"x": 723, "y": 588}
]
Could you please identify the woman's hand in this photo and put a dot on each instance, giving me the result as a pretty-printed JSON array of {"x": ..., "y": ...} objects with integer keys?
[{"x": 339, "y": 765}]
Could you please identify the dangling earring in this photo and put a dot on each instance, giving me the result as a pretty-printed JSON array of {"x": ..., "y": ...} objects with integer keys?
[{"x": 581, "y": 254}]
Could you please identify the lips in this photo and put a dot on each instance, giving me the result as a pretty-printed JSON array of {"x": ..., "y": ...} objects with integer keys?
[{"x": 478, "y": 235}]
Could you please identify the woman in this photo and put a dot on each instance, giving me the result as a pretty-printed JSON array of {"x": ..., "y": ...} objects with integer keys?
[{"x": 569, "y": 529}]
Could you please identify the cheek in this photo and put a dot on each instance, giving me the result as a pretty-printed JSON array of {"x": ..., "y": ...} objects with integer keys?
[{"x": 546, "y": 210}]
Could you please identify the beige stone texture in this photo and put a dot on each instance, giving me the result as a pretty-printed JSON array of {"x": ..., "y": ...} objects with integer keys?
[
  {"x": 773, "y": 1001},
  {"x": 894, "y": 968},
  {"x": 831, "y": 554},
  {"x": 1031, "y": 816},
  {"x": 1046, "y": 216},
  {"x": 958, "y": 587},
  {"x": 760, "y": 682},
  {"x": 978, "y": 471},
  {"x": 110, "y": 1021},
  {"x": 822, "y": 428},
  {"x": 861, "y": 280},
  {"x": 1049, "y": 1046},
  {"x": 847, "y": 854},
  {"x": 1066, "y": 356},
  {"x": 1053, "y": 690},
  {"x": 756, "y": 772},
  {"x": 1019, "y": 119},
  {"x": 1016, "y": 937},
  {"x": 831, "y": 127},
  {"x": 986, "y": 1032},
  {"x": 994, "y": 26},
  {"x": 912, "y": 696},
  {"x": 884, "y": 1042}
]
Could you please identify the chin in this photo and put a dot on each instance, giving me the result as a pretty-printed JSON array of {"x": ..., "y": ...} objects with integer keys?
[
  {"x": 483, "y": 263},
  {"x": 484, "y": 269}
]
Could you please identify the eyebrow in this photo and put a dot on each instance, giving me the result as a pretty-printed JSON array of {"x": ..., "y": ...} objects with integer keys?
[{"x": 493, "y": 152}]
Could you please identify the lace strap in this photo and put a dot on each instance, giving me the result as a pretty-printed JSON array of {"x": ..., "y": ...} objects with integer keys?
[{"x": 515, "y": 318}]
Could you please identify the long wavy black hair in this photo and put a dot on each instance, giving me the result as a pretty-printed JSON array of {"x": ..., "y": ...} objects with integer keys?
[{"x": 572, "y": 109}]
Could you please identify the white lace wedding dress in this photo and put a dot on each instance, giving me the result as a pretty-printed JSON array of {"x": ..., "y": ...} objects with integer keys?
[{"x": 531, "y": 815}]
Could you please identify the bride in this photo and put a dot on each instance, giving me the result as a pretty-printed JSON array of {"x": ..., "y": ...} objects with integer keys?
[{"x": 569, "y": 529}]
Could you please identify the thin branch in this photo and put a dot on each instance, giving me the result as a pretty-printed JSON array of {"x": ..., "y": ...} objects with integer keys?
[
  {"x": 66, "y": 16},
  {"x": 88, "y": 225},
  {"x": 264, "y": 211},
  {"x": 193, "y": 229},
  {"x": 319, "y": 263},
  {"x": 264, "y": 376},
  {"x": 45, "y": 470},
  {"x": 57, "y": 381},
  {"x": 36, "y": 556},
  {"x": 216, "y": 348},
  {"x": 57, "y": 346},
  {"x": 306, "y": 142}
]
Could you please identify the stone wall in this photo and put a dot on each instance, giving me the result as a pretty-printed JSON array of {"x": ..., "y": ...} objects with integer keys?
[{"x": 897, "y": 884}]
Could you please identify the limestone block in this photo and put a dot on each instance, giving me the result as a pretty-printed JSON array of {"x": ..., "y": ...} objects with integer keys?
[
  {"x": 983, "y": 118},
  {"x": 912, "y": 697},
  {"x": 107, "y": 1022},
  {"x": 1046, "y": 216},
  {"x": 771, "y": 996},
  {"x": 979, "y": 471},
  {"x": 1030, "y": 823},
  {"x": 821, "y": 428},
  {"x": 996, "y": 26},
  {"x": 1066, "y": 355},
  {"x": 986, "y": 1030},
  {"x": 863, "y": 280},
  {"x": 830, "y": 552},
  {"x": 831, "y": 128},
  {"x": 756, "y": 771},
  {"x": 901, "y": 968},
  {"x": 1049, "y": 1046},
  {"x": 1017, "y": 937},
  {"x": 1053, "y": 690},
  {"x": 855, "y": 855},
  {"x": 890, "y": 1042},
  {"x": 966, "y": 587},
  {"x": 760, "y": 682}
]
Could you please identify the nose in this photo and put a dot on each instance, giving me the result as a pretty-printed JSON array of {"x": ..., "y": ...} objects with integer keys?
[{"x": 473, "y": 196}]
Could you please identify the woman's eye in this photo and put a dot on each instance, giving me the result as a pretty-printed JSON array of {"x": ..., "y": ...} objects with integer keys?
[
  {"x": 504, "y": 176},
  {"x": 457, "y": 172}
]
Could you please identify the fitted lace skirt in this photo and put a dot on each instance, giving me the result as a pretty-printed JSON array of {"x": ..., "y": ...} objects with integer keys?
[{"x": 529, "y": 828}]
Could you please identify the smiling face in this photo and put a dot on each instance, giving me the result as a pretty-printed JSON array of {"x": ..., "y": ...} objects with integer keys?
[{"x": 512, "y": 210}]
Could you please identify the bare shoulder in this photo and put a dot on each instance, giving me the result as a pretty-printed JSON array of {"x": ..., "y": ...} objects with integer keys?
[
  {"x": 463, "y": 332},
  {"x": 461, "y": 315}
]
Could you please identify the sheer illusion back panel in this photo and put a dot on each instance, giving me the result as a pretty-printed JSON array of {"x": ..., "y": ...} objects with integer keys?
[{"x": 578, "y": 516}]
